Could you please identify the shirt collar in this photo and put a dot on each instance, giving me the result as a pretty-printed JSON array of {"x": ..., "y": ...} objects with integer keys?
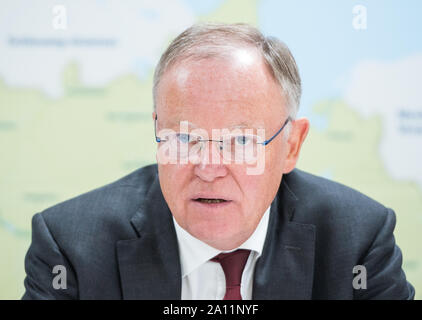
[{"x": 194, "y": 252}]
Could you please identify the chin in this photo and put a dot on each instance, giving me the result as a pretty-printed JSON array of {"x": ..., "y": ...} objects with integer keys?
[{"x": 219, "y": 234}]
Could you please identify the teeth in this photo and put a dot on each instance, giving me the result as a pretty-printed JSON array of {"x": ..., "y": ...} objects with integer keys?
[{"x": 211, "y": 200}]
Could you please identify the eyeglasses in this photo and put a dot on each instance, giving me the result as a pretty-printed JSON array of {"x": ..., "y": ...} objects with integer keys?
[{"x": 235, "y": 146}]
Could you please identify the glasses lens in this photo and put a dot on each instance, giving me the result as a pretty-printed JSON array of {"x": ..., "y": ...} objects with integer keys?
[
  {"x": 180, "y": 145},
  {"x": 240, "y": 148}
]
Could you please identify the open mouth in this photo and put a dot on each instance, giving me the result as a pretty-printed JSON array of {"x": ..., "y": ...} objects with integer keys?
[{"x": 208, "y": 200}]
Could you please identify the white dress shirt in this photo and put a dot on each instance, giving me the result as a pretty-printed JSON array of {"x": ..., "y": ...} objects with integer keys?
[{"x": 203, "y": 279}]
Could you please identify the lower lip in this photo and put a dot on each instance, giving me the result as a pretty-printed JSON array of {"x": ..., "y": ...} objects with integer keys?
[{"x": 215, "y": 205}]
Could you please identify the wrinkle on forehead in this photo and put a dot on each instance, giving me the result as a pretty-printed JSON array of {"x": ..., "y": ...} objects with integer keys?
[{"x": 175, "y": 123}]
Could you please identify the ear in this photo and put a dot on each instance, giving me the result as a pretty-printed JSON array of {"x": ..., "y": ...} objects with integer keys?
[
  {"x": 298, "y": 132},
  {"x": 153, "y": 115}
]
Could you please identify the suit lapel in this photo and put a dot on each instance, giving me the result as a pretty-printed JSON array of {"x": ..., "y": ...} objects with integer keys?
[
  {"x": 285, "y": 268},
  {"x": 149, "y": 265}
]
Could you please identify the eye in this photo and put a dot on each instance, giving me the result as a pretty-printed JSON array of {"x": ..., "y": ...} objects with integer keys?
[
  {"x": 184, "y": 137},
  {"x": 242, "y": 140}
]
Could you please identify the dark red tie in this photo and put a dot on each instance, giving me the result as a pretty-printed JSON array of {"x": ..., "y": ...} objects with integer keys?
[{"x": 233, "y": 264}]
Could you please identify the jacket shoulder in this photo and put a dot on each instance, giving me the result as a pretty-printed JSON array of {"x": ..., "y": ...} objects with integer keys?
[
  {"x": 329, "y": 205},
  {"x": 103, "y": 208},
  {"x": 316, "y": 191}
]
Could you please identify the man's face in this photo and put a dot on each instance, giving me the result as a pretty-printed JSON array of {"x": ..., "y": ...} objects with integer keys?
[{"x": 217, "y": 93}]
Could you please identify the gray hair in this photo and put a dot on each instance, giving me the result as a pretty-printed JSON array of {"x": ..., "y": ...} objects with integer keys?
[{"x": 207, "y": 40}]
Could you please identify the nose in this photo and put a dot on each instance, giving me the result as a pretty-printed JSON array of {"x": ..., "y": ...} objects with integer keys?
[{"x": 210, "y": 166}]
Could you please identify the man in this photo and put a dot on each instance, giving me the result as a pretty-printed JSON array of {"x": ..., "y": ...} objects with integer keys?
[{"x": 224, "y": 214}]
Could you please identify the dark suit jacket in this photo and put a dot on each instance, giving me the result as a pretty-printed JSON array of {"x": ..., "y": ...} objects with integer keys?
[{"x": 119, "y": 242}]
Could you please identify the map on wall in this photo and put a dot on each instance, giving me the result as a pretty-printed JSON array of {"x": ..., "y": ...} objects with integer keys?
[{"x": 75, "y": 101}]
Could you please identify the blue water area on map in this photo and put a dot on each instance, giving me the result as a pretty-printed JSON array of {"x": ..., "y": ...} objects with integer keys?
[{"x": 326, "y": 46}]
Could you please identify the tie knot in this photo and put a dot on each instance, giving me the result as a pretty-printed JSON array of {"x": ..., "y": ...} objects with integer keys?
[
  {"x": 237, "y": 256},
  {"x": 233, "y": 264}
]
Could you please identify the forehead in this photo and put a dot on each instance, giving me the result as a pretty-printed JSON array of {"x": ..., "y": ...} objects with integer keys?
[{"x": 237, "y": 88}]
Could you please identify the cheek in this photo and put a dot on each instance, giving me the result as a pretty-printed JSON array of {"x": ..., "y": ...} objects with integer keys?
[
  {"x": 253, "y": 188},
  {"x": 259, "y": 190},
  {"x": 173, "y": 178},
  {"x": 276, "y": 157}
]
